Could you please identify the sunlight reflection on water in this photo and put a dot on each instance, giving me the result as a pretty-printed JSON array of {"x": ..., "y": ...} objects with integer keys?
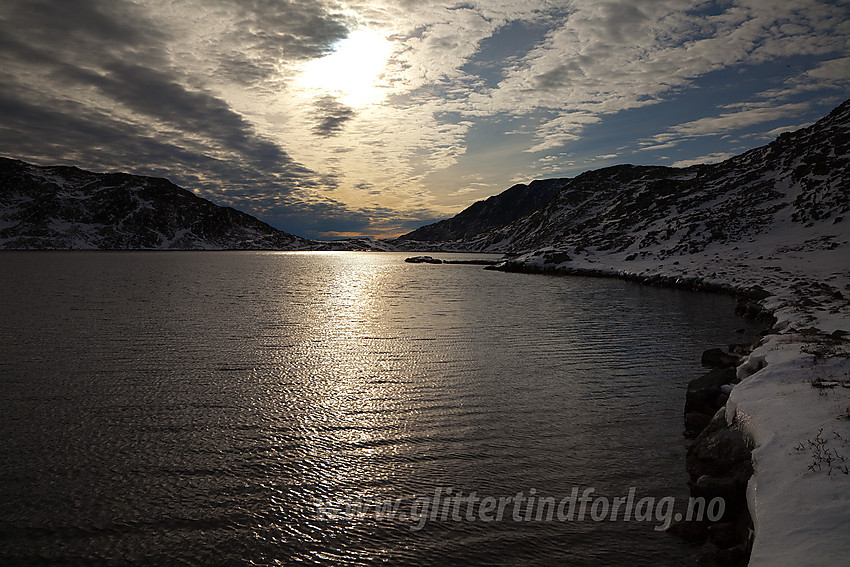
[{"x": 195, "y": 406}]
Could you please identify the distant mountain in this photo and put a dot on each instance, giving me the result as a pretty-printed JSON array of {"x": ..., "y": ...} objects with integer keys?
[
  {"x": 493, "y": 212},
  {"x": 68, "y": 208},
  {"x": 799, "y": 184}
]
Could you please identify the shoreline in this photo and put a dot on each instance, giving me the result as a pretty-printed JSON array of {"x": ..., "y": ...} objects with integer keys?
[
  {"x": 752, "y": 294},
  {"x": 797, "y": 495},
  {"x": 718, "y": 458}
]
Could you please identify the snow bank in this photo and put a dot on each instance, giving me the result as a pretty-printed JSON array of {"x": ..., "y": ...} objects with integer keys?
[
  {"x": 799, "y": 495},
  {"x": 794, "y": 400}
]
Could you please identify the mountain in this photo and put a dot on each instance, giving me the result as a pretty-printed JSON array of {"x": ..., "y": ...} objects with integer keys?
[
  {"x": 799, "y": 184},
  {"x": 772, "y": 226},
  {"x": 68, "y": 208},
  {"x": 495, "y": 211}
]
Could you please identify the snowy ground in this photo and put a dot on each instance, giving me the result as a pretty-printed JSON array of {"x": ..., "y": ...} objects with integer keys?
[{"x": 797, "y": 408}]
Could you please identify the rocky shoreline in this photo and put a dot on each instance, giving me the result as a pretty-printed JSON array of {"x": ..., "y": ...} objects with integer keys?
[
  {"x": 719, "y": 459},
  {"x": 432, "y": 260},
  {"x": 754, "y": 423},
  {"x": 748, "y": 297}
]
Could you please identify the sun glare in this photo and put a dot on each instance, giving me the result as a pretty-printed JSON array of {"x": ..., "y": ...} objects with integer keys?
[{"x": 353, "y": 71}]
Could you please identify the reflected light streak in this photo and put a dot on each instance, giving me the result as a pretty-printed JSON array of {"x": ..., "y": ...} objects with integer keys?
[{"x": 355, "y": 390}]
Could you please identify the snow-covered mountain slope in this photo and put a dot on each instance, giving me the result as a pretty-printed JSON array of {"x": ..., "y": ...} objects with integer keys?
[
  {"x": 774, "y": 218},
  {"x": 800, "y": 182},
  {"x": 495, "y": 211},
  {"x": 68, "y": 208}
]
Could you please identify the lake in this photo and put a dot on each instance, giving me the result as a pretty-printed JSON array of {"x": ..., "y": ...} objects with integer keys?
[{"x": 228, "y": 408}]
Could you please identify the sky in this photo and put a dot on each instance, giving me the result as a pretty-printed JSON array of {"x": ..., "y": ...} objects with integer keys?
[{"x": 373, "y": 117}]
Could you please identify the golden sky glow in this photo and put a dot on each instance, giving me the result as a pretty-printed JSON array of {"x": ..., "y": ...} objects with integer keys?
[{"x": 352, "y": 73}]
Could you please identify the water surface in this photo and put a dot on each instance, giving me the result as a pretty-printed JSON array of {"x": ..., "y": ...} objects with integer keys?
[{"x": 195, "y": 407}]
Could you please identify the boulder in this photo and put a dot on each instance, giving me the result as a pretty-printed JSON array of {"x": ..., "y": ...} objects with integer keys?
[
  {"x": 748, "y": 309},
  {"x": 694, "y": 532},
  {"x": 721, "y": 453},
  {"x": 753, "y": 364},
  {"x": 556, "y": 257},
  {"x": 703, "y": 392},
  {"x": 718, "y": 422},
  {"x": 724, "y": 534},
  {"x": 695, "y": 422},
  {"x": 731, "y": 490},
  {"x": 713, "y": 487},
  {"x": 717, "y": 358},
  {"x": 741, "y": 349},
  {"x": 757, "y": 293},
  {"x": 738, "y": 556}
]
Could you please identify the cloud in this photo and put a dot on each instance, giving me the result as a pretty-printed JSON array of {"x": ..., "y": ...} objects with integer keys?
[
  {"x": 437, "y": 54},
  {"x": 251, "y": 42},
  {"x": 293, "y": 30},
  {"x": 832, "y": 74},
  {"x": 556, "y": 132},
  {"x": 608, "y": 57},
  {"x": 160, "y": 97},
  {"x": 739, "y": 117},
  {"x": 207, "y": 93},
  {"x": 79, "y": 29},
  {"x": 710, "y": 158},
  {"x": 771, "y": 134},
  {"x": 93, "y": 84},
  {"x": 374, "y": 221},
  {"x": 468, "y": 189},
  {"x": 331, "y": 116}
]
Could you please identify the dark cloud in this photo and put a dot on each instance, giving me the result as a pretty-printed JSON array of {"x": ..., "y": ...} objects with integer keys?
[
  {"x": 274, "y": 30},
  {"x": 245, "y": 172},
  {"x": 138, "y": 113},
  {"x": 157, "y": 95},
  {"x": 331, "y": 115},
  {"x": 368, "y": 188},
  {"x": 126, "y": 67},
  {"x": 392, "y": 221},
  {"x": 315, "y": 221},
  {"x": 622, "y": 23},
  {"x": 287, "y": 198},
  {"x": 240, "y": 68},
  {"x": 89, "y": 83},
  {"x": 559, "y": 77},
  {"x": 72, "y": 134},
  {"x": 78, "y": 27},
  {"x": 290, "y": 29}
]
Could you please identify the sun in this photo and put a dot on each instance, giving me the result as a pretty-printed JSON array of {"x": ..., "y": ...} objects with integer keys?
[{"x": 352, "y": 73}]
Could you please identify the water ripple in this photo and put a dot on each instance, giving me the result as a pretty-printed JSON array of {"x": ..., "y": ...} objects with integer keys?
[{"x": 197, "y": 408}]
